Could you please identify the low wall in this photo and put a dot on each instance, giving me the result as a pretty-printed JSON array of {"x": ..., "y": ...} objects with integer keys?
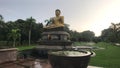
[{"x": 7, "y": 55}]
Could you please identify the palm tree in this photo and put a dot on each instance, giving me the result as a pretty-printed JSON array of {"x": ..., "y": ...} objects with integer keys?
[
  {"x": 14, "y": 34},
  {"x": 1, "y": 17},
  {"x": 29, "y": 24},
  {"x": 1, "y": 21},
  {"x": 116, "y": 31},
  {"x": 48, "y": 22}
]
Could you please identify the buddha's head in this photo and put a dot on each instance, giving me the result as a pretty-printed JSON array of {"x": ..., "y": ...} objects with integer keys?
[{"x": 57, "y": 12}]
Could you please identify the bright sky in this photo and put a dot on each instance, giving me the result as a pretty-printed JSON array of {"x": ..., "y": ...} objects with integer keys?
[{"x": 81, "y": 15}]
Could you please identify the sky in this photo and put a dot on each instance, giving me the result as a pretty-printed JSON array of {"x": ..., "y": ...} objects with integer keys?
[{"x": 81, "y": 15}]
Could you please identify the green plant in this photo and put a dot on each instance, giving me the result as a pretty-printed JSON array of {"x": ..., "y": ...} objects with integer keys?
[{"x": 14, "y": 34}]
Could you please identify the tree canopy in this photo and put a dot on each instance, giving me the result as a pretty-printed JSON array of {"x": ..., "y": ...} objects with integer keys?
[
  {"x": 30, "y": 32},
  {"x": 112, "y": 34},
  {"x": 24, "y": 26}
]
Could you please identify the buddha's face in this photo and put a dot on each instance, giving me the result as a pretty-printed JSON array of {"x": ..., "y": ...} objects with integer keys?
[{"x": 57, "y": 13}]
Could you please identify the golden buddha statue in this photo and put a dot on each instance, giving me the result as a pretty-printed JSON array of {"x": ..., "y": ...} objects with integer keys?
[{"x": 57, "y": 21}]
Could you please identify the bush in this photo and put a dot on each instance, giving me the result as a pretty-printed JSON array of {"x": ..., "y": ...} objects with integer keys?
[{"x": 7, "y": 43}]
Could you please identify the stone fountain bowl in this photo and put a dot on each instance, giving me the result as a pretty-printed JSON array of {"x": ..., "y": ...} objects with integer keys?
[{"x": 69, "y": 59}]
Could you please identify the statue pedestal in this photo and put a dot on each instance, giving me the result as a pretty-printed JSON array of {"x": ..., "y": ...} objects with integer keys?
[
  {"x": 47, "y": 47},
  {"x": 55, "y": 38}
]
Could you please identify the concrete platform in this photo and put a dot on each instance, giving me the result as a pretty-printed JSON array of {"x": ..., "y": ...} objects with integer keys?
[{"x": 31, "y": 63}]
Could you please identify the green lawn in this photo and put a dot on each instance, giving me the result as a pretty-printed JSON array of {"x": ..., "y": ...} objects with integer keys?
[
  {"x": 108, "y": 57},
  {"x": 25, "y": 47}
]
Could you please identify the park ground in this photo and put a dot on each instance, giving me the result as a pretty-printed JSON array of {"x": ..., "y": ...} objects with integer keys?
[{"x": 108, "y": 57}]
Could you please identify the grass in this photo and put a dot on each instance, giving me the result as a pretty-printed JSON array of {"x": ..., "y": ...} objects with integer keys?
[
  {"x": 25, "y": 47},
  {"x": 107, "y": 58}
]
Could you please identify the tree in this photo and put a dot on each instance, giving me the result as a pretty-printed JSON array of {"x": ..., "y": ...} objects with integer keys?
[
  {"x": 106, "y": 35},
  {"x": 14, "y": 34},
  {"x": 3, "y": 29},
  {"x": 74, "y": 35},
  {"x": 36, "y": 32},
  {"x": 112, "y": 34},
  {"x": 97, "y": 39},
  {"x": 1, "y": 18},
  {"x": 29, "y": 30},
  {"x": 29, "y": 24},
  {"x": 66, "y": 27},
  {"x": 87, "y": 36},
  {"x": 116, "y": 31},
  {"x": 20, "y": 24},
  {"x": 48, "y": 21},
  {"x": 1, "y": 21}
]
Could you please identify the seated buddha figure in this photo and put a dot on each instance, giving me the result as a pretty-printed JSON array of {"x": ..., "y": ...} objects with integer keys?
[{"x": 57, "y": 21}]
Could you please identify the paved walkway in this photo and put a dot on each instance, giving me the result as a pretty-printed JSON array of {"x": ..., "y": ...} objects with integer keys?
[{"x": 31, "y": 63}]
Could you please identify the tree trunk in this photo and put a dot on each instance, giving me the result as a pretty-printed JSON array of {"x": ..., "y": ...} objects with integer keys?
[
  {"x": 14, "y": 42},
  {"x": 29, "y": 37}
]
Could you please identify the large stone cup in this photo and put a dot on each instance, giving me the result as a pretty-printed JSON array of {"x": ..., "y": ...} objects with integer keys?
[{"x": 69, "y": 61}]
